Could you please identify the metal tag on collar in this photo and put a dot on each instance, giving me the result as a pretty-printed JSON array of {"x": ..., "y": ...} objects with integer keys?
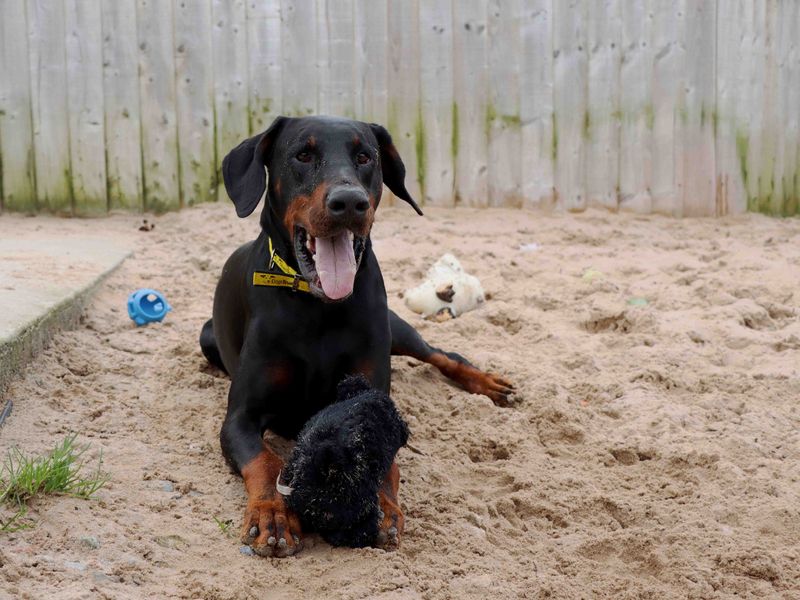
[
  {"x": 295, "y": 282},
  {"x": 271, "y": 254}
]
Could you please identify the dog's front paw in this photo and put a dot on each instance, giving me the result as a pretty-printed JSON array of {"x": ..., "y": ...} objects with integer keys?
[
  {"x": 390, "y": 528},
  {"x": 472, "y": 379},
  {"x": 271, "y": 529},
  {"x": 498, "y": 390}
]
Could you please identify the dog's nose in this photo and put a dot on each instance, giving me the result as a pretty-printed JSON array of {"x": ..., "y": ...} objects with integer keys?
[{"x": 347, "y": 203}]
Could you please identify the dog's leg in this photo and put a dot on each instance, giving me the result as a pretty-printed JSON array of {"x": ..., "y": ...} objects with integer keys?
[
  {"x": 270, "y": 528},
  {"x": 407, "y": 342},
  {"x": 208, "y": 344},
  {"x": 391, "y": 527}
]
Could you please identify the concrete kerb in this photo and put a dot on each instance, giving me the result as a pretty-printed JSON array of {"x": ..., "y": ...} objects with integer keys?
[{"x": 17, "y": 349}]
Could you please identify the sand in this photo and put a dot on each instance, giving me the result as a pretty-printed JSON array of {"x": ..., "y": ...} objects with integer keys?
[{"x": 653, "y": 452}]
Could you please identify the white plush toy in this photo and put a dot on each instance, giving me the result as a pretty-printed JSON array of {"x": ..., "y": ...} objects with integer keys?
[{"x": 447, "y": 292}]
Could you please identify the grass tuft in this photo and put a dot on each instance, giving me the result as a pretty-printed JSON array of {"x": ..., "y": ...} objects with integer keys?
[
  {"x": 224, "y": 526},
  {"x": 24, "y": 478}
]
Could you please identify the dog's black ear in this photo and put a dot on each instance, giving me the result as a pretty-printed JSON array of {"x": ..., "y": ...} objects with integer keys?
[
  {"x": 394, "y": 171},
  {"x": 243, "y": 169},
  {"x": 352, "y": 386}
]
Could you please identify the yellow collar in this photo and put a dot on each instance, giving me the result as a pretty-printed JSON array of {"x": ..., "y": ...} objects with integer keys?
[{"x": 290, "y": 278}]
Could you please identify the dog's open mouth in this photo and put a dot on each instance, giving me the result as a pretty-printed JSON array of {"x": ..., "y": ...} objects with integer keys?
[{"x": 329, "y": 264}]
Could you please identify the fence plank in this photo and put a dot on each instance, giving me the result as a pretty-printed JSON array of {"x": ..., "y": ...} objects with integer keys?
[
  {"x": 158, "y": 105},
  {"x": 436, "y": 99},
  {"x": 767, "y": 200},
  {"x": 85, "y": 103},
  {"x": 194, "y": 89},
  {"x": 503, "y": 112},
  {"x": 322, "y": 60},
  {"x": 755, "y": 70},
  {"x": 667, "y": 66},
  {"x": 696, "y": 122},
  {"x": 471, "y": 102},
  {"x": 230, "y": 63},
  {"x": 335, "y": 54},
  {"x": 371, "y": 60},
  {"x": 637, "y": 114},
  {"x": 48, "y": 52},
  {"x": 602, "y": 129},
  {"x": 405, "y": 118},
  {"x": 121, "y": 104},
  {"x": 16, "y": 128},
  {"x": 734, "y": 39},
  {"x": 263, "y": 64},
  {"x": 536, "y": 105},
  {"x": 298, "y": 57},
  {"x": 570, "y": 102},
  {"x": 786, "y": 113},
  {"x": 791, "y": 133}
]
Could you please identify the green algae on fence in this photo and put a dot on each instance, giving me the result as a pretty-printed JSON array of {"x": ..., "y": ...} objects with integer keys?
[
  {"x": 256, "y": 121},
  {"x": 419, "y": 142},
  {"x": 18, "y": 189},
  {"x": 761, "y": 194},
  {"x": 492, "y": 116},
  {"x": 649, "y": 116},
  {"x": 742, "y": 145},
  {"x": 454, "y": 135},
  {"x": 586, "y": 129},
  {"x": 554, "y": 143}
]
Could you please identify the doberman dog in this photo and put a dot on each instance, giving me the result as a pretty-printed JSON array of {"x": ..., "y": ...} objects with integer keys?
[{"x": 304, "y": 305}]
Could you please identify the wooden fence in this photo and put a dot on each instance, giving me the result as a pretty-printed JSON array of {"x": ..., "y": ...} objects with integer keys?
[{"x": 683, "y": 107}]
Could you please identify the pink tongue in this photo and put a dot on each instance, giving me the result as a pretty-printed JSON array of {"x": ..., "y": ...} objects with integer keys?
[{"x": 336, "y": 265}]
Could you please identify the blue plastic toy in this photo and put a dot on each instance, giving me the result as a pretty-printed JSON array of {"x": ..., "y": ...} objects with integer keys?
[{"x": 147, "y": 306}]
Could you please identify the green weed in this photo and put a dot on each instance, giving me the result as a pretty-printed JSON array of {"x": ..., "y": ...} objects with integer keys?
[{"x": 24, "y": 478}]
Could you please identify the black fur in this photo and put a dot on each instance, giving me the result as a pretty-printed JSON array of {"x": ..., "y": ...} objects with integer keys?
[
  {"x": 209, "y": 346},
  {"x": 341, "y": 458}
]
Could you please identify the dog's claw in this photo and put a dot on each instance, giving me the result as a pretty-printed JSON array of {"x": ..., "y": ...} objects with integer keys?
[
  {"x": 391, "y": 523},
  {"x": 271, "y": 529},
  {"x": 475, "y": 381},
  {"x": 498, "y": 390}
]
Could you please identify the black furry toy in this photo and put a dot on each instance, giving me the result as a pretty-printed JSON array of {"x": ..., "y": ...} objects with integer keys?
[{"x": 339, "y": 462}]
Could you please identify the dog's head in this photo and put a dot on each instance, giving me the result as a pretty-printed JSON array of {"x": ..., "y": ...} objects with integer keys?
[{"x": 326, "y": 176}]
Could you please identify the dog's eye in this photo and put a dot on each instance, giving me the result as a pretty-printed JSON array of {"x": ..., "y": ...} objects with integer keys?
[
  {"x": 363, "y": 158},
  {"x": 304, "y": 157}
]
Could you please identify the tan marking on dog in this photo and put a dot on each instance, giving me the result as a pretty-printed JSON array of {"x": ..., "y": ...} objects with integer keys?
[
  {"x": 309, "y": 212},
  {"x": 367, "y": 368},
  {"x": 260, "y": 475},
  {"x": 473, "y": 379},
  {"x": 280, "y": 374},
  {"x": 390, "y": 506},
  {"x": 266, "y": 512}
]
